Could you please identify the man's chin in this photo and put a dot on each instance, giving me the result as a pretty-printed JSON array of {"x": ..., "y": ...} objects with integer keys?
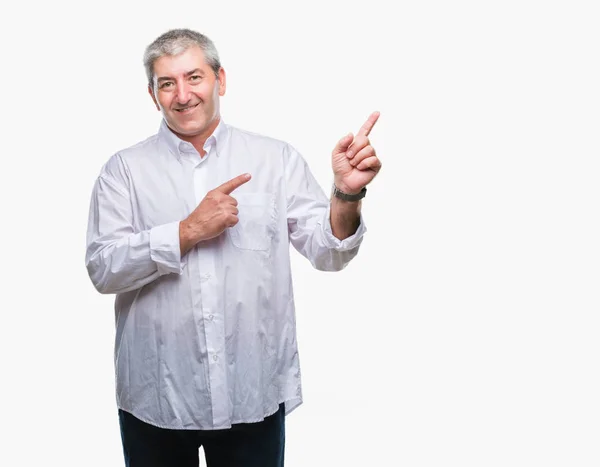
[{"x": 187, "y": 128}]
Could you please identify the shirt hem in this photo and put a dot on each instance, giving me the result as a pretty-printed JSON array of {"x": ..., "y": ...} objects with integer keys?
[{"x": 297, "y": 403}]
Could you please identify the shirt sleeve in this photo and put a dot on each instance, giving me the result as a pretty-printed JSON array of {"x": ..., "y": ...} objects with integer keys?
[
  {"x": 118, "y": 258},
  {"x": 308, "y": 217}
]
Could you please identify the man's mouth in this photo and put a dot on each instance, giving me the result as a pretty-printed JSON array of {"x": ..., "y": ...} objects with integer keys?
[{"x": 187, "y": 109}]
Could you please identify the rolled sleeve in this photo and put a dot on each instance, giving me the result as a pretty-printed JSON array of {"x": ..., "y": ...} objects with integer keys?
[
  {"x": 165, "y": 250},
  {"x": 349, "y": 243}
]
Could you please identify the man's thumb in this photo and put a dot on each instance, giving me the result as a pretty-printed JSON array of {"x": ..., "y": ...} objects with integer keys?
[{"x": 344, "y": 143}]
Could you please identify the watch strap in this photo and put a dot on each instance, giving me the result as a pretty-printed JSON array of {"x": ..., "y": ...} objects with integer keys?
[{"x": 348, "y": 197}]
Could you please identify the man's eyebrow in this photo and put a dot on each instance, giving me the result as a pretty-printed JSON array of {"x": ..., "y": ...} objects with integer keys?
[
  {"x": 187, "y": 73},
  {"x": 195, "y": 71}
]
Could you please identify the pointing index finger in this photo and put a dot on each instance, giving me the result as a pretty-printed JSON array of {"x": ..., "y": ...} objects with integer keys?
[
  {"x": 369, "y": 124},
  {"x": 232, "y": 184}
]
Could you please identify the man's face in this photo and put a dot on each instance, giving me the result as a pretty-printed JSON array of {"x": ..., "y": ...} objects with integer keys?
[{"x": 187, "y": 92}]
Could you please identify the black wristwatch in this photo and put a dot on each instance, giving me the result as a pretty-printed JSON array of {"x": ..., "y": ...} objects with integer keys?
[{"x": 346, "y": 197}]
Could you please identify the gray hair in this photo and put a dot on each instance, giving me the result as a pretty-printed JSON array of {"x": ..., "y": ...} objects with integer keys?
[{"x": 175, "y": 42}]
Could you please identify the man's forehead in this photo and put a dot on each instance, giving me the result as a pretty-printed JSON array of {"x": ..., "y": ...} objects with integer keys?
[{"x": 190, "y": 59}]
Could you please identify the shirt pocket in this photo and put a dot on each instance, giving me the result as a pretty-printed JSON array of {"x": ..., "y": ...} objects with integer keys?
[{"x": 256, "y": 226}]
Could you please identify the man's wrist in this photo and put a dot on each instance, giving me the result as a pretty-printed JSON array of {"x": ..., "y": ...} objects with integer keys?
[
  {"x": 187, "y": 236},
  {"x": 348, "y": 195}
]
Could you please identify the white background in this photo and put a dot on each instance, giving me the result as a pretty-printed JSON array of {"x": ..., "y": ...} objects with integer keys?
[{"x": 466, "y": 332}]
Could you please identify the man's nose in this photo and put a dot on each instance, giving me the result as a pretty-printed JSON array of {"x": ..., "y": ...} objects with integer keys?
[{"x": 183, "y": 93}]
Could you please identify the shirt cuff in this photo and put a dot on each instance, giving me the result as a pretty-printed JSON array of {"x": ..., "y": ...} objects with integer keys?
[
  {"x": 164, "y": 248},
  {"x": 331, "y": 241}
]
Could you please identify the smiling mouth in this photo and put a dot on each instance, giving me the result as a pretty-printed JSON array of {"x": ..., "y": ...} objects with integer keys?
[{"x": 187, "y": 109}]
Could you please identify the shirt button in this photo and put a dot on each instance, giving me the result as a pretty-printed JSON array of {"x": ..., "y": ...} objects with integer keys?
[
  {"x": 215, "y": 358},
  {"x": 210, "y": 317},
  {"x": 205, "y": 277}
]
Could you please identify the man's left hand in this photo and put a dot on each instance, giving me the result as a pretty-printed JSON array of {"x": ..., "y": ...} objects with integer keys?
[{"x": 354, "y": 160}]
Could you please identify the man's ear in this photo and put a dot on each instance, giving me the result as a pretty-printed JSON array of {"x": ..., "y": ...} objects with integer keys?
[
  {"x": 222, "y": 82},
  {"x": 151, "y": 92}
]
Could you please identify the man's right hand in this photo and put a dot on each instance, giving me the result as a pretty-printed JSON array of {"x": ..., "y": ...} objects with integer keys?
[{"x": 216, "y": 212}]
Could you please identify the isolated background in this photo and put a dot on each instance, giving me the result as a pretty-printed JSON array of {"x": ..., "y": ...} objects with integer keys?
[{"x": 466, "y": 331}]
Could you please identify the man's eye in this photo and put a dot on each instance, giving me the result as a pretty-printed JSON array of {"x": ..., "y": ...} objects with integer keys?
[
  {"x": 196, "y": 78},
  {"x": 165, "y": 85}
]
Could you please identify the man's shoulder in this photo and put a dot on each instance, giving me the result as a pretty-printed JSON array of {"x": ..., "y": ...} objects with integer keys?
[
  {"x": 116, "y": 166},
  {"x": 140, "y": 148}
]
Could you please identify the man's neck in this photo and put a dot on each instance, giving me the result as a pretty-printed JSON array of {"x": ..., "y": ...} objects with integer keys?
[{"x": 198, "y": 140}]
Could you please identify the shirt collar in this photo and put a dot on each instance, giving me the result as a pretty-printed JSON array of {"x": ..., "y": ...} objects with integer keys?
[{"x": 177, "y": 146}]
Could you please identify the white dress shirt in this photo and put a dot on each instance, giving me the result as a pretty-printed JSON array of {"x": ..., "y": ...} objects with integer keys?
[{"x": 207, "y": 340}]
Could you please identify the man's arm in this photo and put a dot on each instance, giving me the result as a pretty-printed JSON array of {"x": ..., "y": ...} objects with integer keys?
[
  {"x": 118, "y": 259},
  {"x": 308, "y": 218},
  {"x": 329, "y": 232}
]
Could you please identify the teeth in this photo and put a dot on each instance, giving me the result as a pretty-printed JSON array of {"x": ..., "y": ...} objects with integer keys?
[{"x": 187, "y": 108}]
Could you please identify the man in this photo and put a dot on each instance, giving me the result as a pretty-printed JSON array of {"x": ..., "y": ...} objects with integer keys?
[{"x": 191, "y": 230}]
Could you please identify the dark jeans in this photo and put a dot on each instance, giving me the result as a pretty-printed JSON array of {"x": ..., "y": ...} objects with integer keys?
[{"x": 244, "y": 445}]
